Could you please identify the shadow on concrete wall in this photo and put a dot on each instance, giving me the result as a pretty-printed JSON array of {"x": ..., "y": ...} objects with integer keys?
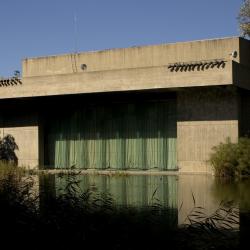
[{"x": 218, "y": 103}]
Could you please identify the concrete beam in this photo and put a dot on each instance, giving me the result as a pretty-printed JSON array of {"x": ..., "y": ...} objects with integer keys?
[{"x": 144, "y": 78}]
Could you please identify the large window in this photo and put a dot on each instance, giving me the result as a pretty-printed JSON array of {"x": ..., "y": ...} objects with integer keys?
[{"x": 114, "y": 136}]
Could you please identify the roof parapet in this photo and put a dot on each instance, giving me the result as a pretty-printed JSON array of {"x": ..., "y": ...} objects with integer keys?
[{"x": 8, "y": 82}]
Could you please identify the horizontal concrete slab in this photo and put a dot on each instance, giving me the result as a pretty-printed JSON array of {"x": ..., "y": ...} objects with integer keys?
[
  {"x": 166, "y": 66},
  {"x": 145, "y": 78}
]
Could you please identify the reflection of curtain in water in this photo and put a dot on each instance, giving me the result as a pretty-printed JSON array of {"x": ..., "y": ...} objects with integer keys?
[
  {"x": 135, "y": 191},
  {"x": 124, "y": 136},
  {"x": 143, "y": 191}
]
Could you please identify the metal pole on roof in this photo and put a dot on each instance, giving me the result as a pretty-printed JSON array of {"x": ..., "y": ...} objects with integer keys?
[{"x": 75, "y": 29}]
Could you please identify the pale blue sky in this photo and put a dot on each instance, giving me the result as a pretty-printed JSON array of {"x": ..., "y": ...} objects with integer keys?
[{"x": 31, "y": 28}]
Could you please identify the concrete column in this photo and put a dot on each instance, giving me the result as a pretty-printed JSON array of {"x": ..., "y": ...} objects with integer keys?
[
  {"x": 24, "y": 128},
  {"x": 206, "y": 117}
]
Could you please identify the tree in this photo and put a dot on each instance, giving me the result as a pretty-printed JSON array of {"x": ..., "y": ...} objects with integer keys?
[
  {"x": 244, "y": 18},
  {"x": 7, "y": 150}
]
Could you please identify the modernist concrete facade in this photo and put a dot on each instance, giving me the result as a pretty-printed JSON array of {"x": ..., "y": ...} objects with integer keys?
[{"x": 208, "y": 79}]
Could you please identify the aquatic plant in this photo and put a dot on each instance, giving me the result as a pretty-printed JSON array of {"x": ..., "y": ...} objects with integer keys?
[
  {"x": 73, "y": 217},
  {"x": 219, "y": 230}
]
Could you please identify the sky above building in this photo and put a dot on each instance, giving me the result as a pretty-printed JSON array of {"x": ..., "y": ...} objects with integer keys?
[{"x": 32, "y": 28}]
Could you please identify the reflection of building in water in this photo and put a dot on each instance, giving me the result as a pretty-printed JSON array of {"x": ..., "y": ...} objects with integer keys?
[
  {"x": 199, "y": 187},
  {"x": 135, "y": 191},
  {"x": 177, "y": 193}
]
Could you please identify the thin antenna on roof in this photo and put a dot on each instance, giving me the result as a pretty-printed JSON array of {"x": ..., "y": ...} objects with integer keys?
[{"x": 75, "y": 29}]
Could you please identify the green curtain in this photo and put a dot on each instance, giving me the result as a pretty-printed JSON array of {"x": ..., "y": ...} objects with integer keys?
[{"x": 119, "y": 136}]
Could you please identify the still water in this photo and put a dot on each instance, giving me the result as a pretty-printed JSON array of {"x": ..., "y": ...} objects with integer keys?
[{"x": 178, "y": 193}]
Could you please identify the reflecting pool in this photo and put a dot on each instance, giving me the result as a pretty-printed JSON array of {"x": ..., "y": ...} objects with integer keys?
[
  {"x": 178, "y": 193},
  {"x": 138, "y": 211}
]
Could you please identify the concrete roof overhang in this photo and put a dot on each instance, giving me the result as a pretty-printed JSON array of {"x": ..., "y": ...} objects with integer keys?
[
  {"x": 134, "y": 79},
  {"x": 215, "y": 62}
]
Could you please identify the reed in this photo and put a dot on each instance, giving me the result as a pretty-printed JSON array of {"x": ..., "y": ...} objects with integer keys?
[{"x": 92, "y": 220}]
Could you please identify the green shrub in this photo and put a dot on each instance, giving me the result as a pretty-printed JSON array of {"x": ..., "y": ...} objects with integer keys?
[
  {"x": 243, "y": 156},
  {"x": 231, "y": 159},
  {"x": 7, "y": 150},
  {"x": 224, "y": 158}
]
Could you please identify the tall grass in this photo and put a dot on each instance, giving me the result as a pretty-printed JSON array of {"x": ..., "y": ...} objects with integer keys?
[
  {"x": 91, "y": 220},
  {"x": 219, "y": 230}
]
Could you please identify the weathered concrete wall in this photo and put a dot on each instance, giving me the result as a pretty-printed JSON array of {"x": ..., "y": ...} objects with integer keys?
[
  {"x": 244, "y": 119},
  {"x": 244, "y": 51},
  {"x": 24, "y": 128},
  {"x": 136, "y": 68},
  {"x": 118, "y": 80},
  {"x": 206, "y": 117},
  {"x": 134, "y": 57},
  {"x": 241, "y": 74}
]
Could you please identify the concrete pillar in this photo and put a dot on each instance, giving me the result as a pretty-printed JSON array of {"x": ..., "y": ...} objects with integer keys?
[
  {"x": 206, "y": 117},
  {"x": 24, "y": 128}
]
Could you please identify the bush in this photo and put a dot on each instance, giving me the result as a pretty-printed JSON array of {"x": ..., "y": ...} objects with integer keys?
[
  {"x": 231, "y": 159},
  {"x": 243, "y": 155},
  {"x": 7, "y": 150}
]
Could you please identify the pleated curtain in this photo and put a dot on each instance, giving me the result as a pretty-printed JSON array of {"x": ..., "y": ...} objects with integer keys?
[{"x": 119, "y": 136}]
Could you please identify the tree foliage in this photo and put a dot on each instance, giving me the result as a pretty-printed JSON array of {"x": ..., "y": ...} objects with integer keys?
[
  {"x": 231, "y": 159},
  {"x": 7, "y": 150},
  {"x": 244, "y": 18}
]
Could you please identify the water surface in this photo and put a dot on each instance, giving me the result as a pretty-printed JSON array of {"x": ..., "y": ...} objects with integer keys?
[{"x": 177, "y": 193}]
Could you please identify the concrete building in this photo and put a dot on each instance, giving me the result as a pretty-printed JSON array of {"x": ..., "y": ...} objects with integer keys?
[{"x": 153, "y": 107}]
